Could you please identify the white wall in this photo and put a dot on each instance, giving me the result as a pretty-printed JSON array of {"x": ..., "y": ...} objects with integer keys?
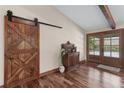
[{"x": 50, "y": 38}]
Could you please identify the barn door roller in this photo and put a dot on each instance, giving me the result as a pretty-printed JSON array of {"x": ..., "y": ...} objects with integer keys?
[{"x": 10, "y": 15}]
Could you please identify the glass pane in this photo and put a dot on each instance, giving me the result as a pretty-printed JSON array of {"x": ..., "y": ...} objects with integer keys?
[
  {"x": 94, "y": 48},
  {"x": 91, "y": 38},
  {"x": 115, "y": 37},
  {"x": 115, "y": 40},
  {"x": 97, "y": 42},
  {"x": 111, "y": 46},
  {"x": 115, "y": 51},
  {"x": 91, "y": 42},
  {"x": 107, "y": 38},
  {"x": 91, "y": 47},
  {"x": 91, "y": 52},
  {"x": 107, "y": 51},
  {"x": 115, "y": 54},
  {"x": 115, "y": 48},
  {"x": 96, "y": 52},
  {"x": 107, "y": 46},
  {"x": 106, "y": 41},
  {"x": 96, "y": 38}
]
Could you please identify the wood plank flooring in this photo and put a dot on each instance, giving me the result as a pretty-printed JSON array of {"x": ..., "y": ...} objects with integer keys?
[{"x": 85, "y": 76}]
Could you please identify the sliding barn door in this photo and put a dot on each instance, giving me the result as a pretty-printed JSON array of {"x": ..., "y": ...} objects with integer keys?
[{"x": 21, "y": 52}]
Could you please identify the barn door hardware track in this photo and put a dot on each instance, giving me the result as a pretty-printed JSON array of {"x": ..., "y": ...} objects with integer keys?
[{"x": 10, "y": 15}]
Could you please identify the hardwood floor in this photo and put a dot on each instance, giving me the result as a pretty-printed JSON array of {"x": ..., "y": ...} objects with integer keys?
[{"x": 86, "y": 76}]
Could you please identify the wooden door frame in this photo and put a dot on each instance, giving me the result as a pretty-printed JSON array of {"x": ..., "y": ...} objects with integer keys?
[
  {"x": 96, "y": 56},
  {"x": 18, "y": 20},
  {"x": 102, "y": 33},
  {"x": 113, "y": 60}
]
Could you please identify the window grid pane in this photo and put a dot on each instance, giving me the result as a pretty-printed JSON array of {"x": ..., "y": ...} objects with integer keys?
[
  {"x": 94, "y": 48},
  {"x": 111, "y": 46}
]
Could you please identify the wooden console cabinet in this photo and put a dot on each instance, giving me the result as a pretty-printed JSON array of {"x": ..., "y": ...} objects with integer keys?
[{"x": 70, "y": 57}]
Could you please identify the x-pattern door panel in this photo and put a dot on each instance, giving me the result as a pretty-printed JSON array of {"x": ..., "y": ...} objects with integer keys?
[{"x": 21, "y": 52}]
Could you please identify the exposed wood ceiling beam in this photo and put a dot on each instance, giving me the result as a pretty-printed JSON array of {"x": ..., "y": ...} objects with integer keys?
[{"x": 108, "y": 16}]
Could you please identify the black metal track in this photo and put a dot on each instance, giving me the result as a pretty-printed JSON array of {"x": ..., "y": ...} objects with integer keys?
[{"x": 9, "y": 14}]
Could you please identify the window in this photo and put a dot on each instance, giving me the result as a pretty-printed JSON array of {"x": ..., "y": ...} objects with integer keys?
[
  {"x": 105, "y": 47},
  {"x": 94, "y": 45},
  {"x": 111, "y": 46}
]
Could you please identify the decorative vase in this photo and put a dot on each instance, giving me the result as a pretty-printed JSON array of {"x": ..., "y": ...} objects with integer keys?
[{"x": 61, "y": 69}]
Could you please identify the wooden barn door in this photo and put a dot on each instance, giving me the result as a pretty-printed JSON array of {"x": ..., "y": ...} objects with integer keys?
[{"x": 21, "y": 52}]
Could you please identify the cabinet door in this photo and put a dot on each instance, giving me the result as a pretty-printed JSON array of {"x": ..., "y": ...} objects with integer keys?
[
  {"x": 76, "y": 58},
  {"x": 71, "y": 59}
]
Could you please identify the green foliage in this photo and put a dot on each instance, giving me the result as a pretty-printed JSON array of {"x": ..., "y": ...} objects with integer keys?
[{"x": 92, "y": 44}]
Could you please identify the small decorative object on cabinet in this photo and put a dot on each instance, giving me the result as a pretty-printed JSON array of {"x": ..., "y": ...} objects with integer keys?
[{"x": 70, "y": 56}]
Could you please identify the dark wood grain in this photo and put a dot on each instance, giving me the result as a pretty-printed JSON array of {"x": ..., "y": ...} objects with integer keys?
[
  {"x": 21, "y": 52},
  {"x": 86, "y": 76},
  {"x": 49, "y": 72},
  {"x": 70, "y": 56},
  {"x": 108, "y": 15}
]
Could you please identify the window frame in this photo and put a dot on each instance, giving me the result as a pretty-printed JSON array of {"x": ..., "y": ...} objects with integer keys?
[
  {"x": 111, "y": 46},
  {"x": 94, "y": 38}
]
